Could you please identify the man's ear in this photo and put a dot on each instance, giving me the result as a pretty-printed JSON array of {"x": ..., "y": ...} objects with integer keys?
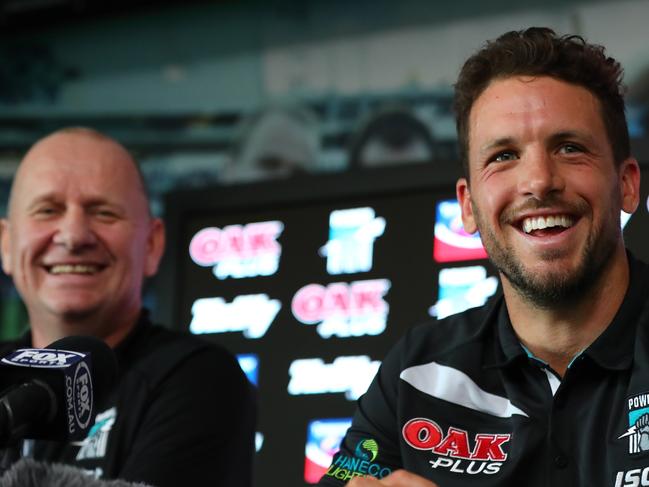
[
  {"x": 5, "y": 246},
  {"x": 155, "y": 247},
  {"x": 629, "y": 180},
  {"x": 463, "y": 193}
]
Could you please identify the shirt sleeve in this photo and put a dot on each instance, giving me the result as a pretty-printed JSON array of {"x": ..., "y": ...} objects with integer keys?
[
  {"x": 198, "y": 428},
  {"x": 371, "y": 445}
]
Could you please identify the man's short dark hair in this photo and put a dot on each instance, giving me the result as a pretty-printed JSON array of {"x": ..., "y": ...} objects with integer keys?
[{"x": 538, "y": 51}]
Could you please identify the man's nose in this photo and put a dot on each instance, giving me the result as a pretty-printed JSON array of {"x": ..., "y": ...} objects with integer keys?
[
  {"x": 75, "y": 231},
  {"x": 540, "y": 175}
]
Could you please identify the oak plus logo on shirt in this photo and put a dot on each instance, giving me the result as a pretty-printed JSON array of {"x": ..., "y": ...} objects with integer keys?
[
  {"x": 637, "y": 434},
  {"x": 457, "y": 450},
  {"x": 361, "y": 464}
]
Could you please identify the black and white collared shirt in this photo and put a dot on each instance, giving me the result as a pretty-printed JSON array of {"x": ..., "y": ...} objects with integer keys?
[{"x": 460, "y": 402}]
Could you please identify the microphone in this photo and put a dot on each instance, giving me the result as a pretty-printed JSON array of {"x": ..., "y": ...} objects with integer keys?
[{"x": 51, "y": 393}]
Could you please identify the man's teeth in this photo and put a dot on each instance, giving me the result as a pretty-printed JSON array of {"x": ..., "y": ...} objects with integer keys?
[
  {"x": 541, "y": 222},
  {"x": 73, "y": 269}
]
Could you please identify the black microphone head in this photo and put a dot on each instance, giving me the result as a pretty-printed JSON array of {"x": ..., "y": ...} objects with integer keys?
[
  {"x": 52, "y": 393},
  {"x": 103, "y": 361}
]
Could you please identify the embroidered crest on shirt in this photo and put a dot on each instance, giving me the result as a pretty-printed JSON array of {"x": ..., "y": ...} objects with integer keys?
[
  {"x": 362, "y": 463},
  {"x": 638, "y": 432},
  {"x": 94, "y": 445}
]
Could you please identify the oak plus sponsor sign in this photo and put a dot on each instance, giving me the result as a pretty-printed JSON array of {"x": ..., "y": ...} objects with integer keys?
[
  {"x": 239, "y": 251},
  {"x": 344, "y": 309}
]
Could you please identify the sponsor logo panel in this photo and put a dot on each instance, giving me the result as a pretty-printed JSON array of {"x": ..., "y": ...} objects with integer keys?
[
  {"x": 238, "y": 251},
  {"x": 452, "y": 243},
  {"x": 249, "y": 363},
  {"x": 322, "y": 443},
  {"x": 350, "y": 375},
  {"x": 252, "y": 314},
  {"x": 461, "y": 288},
  {"x": 352, "y": 233},
  {"x": 259, "y": 441},
  {"x": 624, "y": 218},
  {"x": 343, "y": 309}
]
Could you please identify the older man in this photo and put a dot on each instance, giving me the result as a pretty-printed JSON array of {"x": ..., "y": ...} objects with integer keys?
[
  {"x": 547, "y": 384},
  {"x": 78, "y": 242}
]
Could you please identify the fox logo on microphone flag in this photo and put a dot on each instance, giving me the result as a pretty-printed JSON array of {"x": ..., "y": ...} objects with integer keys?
[{"x": 43, "y": 358}]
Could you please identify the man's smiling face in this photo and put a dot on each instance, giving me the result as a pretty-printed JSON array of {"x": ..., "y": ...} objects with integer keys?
[
  {"x": 78, "y": 239},
  {"x": 544, "y": 189}
]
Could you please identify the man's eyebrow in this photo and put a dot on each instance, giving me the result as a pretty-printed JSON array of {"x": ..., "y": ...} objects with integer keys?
[
  {"x": 52, "y": 197},
  {"x": 99, "y": 201},
  {"x": 42, "y": 198},
  {"x": 571, "y": 134},
  {"x": 496, "y": 143},
  {"x": 554, "y": 138}
]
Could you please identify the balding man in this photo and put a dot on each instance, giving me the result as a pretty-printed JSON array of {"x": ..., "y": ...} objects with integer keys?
[{"x": 78, "y": 242}]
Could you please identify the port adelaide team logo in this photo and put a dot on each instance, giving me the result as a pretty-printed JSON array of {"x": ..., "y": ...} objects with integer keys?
[
  {"x": 637, "y": 438},
  {"x": 637, "y": 434}
]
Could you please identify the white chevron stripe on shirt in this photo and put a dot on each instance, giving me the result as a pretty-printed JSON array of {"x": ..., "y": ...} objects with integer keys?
[{"x": 456, "y": 387}]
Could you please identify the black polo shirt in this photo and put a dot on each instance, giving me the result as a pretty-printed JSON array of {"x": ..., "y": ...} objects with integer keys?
[
  {"x": 181, "y": 413},
  {"x": 460, "y": 402}
]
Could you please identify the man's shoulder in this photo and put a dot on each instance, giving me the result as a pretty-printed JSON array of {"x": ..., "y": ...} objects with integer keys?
[
  {"x": 8, "y": 346},
  {"x": 455, "y": 330},
  {"x": 159, "y": 351},
  {"x": 455, "y": 338}
]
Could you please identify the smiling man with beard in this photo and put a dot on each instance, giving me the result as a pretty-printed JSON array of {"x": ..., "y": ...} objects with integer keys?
[{"x": 547, "y": 384}]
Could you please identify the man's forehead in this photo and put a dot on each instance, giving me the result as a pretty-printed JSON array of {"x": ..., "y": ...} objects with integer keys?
[
  {"x": 531, "y": 99},
  {"x": 84, "y": 149},
  {"x": 85, "y": 164}
]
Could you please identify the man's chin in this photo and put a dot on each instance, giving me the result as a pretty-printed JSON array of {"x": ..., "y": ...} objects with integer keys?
[
  {"x": 71, "y": 313},
  {"x": 553, "y": 288}
]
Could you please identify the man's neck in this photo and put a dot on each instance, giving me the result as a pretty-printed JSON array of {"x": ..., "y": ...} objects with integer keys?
[
  {"x": 45, "y": 331},
  {"x": 557, "y": 335}
]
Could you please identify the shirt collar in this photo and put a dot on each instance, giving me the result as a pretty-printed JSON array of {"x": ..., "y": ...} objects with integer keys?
[
  {"x": 501, "y": 345},
  {"x": 134, "y": 334},
  {"x": 613, "y": 349},
  {"x": 621, "y": 331},
  {"x": 508, "y": 347}
]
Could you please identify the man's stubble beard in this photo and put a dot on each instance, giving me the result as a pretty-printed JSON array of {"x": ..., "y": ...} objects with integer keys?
[{"x": 555, "y": 288}]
